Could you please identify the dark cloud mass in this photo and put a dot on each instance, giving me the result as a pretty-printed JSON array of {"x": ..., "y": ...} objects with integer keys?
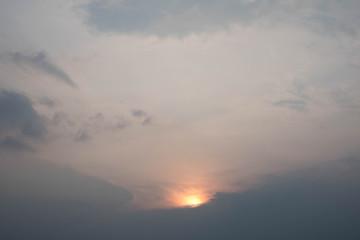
[
  {"x": 168, "y": 17},
  {"x": 16, "y": 144},
  {"x": 180, "y": 18},
  {"x": 41, "y": 61},
  {"x": 322, "y": 202},
  {"x": 18, "y": 117}
]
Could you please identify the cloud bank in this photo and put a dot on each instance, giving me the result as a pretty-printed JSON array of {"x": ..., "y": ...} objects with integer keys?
[
  {"x": 321, "y": 202},
  {"x": 181, "y": 18}
]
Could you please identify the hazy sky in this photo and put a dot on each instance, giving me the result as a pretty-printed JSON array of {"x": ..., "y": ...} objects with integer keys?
[{"x": 171, "y": 99}]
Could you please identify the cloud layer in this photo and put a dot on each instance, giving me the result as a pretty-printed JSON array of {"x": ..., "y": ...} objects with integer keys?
[
  {"x": 321, "y": 202},
  {"x": 181, "y": 18}
]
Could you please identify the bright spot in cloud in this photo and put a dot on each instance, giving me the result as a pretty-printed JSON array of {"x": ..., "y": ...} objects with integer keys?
[{"x": 193, "y": 201}]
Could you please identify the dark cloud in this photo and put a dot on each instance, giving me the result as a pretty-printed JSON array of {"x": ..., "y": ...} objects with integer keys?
[
  {"x": 92, "y": 126},
  {"x": 322, "y": 202},
  {"x": 139, "y": 113},
  {"x": 17, "y": 116},
  {"x": 40, "y": 182},
  {"x": 168, "y": 17},
  {"x": 47, "y": 102},
  {"x": 41, "y": 61},
  {"x": 142, "y": 114},
  {"x": 58, "y": 117},
  {"x": 297, "y": 105},
  {"x": 179, "y": 18},
  {"x": 147, "y": 121},
  {"x": 82, "y": 135},
  {"x": 16, "y": 144},
  {"x": 122, "y": 123}
]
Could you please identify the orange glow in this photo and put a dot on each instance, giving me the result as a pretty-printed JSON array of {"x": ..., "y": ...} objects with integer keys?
[
  {"x": 193, "y": 201},
  {"x": 189, "y": 197}
]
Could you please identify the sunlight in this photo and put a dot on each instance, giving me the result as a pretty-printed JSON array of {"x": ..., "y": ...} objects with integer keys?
[{"x": 193, "y": 201}]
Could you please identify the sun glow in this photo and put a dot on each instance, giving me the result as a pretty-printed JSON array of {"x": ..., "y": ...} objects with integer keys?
[{"x": 193, "y": 201}]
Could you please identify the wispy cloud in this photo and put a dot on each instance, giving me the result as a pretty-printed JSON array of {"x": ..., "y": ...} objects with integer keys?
[
  {"x": 297, "y": 105},
  {"x": 41, "y": 61}
]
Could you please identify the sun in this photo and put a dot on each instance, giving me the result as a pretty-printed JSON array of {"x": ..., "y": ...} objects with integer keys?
[{"x": 193, "y": 201}]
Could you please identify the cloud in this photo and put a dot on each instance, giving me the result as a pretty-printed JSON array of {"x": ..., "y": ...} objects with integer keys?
[
  {"x": 42, "y": 62},
  {"x": 82, "y": 136},
  {"x": 92, "y": 126},
  {"x": 47, "y": 102},
  {"x": 121, "y": 123},
  {"x": 167, "y": 17},
  {"x": 321, "y": 202},
  {"x": 147, "y": 121},
  {"x": 297, "y": 105},
  {"x": 98, "y": 117},
  {"x": 16, "y": 144},
  {"x": 139, "y": 113},
  {"x": 181, "y": 18},
  {"x": 298, "y": 89},
  {"x": 17, "y": 116},
  {"x": 42, "y": 182},
  {"x": 344, "y": 100},
  {"x": 58, "y": 118}
]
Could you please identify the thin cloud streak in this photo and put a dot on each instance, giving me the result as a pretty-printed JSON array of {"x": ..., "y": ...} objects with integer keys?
[{"x": 41, "y": 61}]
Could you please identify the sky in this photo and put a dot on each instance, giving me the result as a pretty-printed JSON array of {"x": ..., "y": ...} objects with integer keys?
[{"x": 180, "y": 119}]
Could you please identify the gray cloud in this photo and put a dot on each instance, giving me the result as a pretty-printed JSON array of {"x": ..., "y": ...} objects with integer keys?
[
  {"x": 139, "y": 113},
  {"x": 98, "y": 117},
  {"x": 343, "y": 100},
  {"x": 331, "y": 16},
  {"x": 58, "y": 118},
  {"x": 17, "y": 116},
  {"x": 147, "y": 121},
  {"x": 168, "y": 17},
  {"x": 82, "y": 135},
  {"x": 121, "y": 123},
  {"x": 299, "y": 90},
  {"x": 42, "y": 182},
  {"x": 16, "y": 144},
  {"x": 297, "y": 105},
  {"x": 321, "y": 202},
  {"x": 41, "y": 61},
  {"x": 180, "y": 18},
  {"x": 93, "y": 125},
  {"x": 47, "y": 102}
]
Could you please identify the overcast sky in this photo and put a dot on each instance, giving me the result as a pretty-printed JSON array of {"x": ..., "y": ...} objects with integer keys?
[{"x": 167, "y": 99}]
